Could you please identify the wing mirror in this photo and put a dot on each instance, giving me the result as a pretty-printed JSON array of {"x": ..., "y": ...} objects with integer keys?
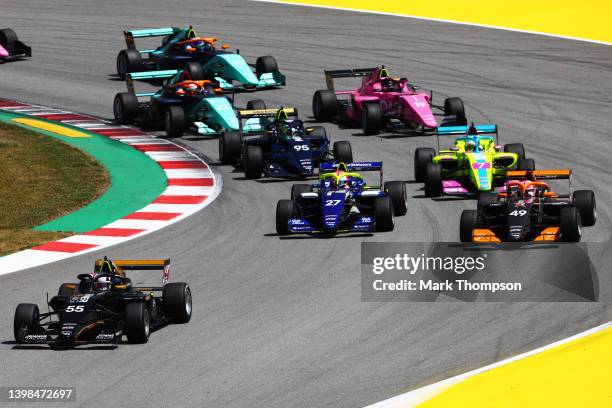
[{"x": 225, "y": 47}]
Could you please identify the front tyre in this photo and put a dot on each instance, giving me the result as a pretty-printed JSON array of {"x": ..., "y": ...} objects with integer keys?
[
  {"x": 584, "y": 201},
  {"x": 265, "y": 65},
  {"x": 285, "y": 209},
  {"x": 298, "y": 189},
  {"x": 570, "y": 224},
  {"x": 469, "y": 219},
  {"x": 177, "y": 301},
  {"x": 26, "y": 318},
  {"x": 383, "y": 214},
  {"x": 433, "y": 180},
  {"x": 253, "y": 162},
  {"x": 174, "y": 121},
  {"x": 137, "y": 325},
  {"x": 454, "y": 107},
  {"x": 516, "y": 148},
  {"x": 396, "y": 190},
  {"x": 230, "y": 147},
  {"x": 422, "y": 157}
]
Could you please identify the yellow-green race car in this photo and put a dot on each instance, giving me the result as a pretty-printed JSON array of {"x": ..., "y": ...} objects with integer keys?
[{"x": 476, "y": 163}]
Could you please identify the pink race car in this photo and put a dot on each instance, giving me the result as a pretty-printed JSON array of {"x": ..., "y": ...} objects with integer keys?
[
  {"x": 383, "y": 102},
  {"x": 10, "y": 47}
]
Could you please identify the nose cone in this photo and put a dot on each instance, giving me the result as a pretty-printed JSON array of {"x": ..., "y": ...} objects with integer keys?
[
  {"x": 421, "y": 110},
  {"x": 235, "y": 67},
  {"x": 222, "y": 113},
  {"x": 333, "y": 208}
]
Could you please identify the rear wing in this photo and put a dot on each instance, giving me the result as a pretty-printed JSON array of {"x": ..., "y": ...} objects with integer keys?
[
  {"x": 328, "y": 167},
  {"x": 345, "y": 73},
  {"x": 147, "y": 76},
  {"x": 537, "y": 175},
  {"x": 483, "y": 129},
  {"x": 149, "y": 32},
  {"x": 140, "y": 265}
]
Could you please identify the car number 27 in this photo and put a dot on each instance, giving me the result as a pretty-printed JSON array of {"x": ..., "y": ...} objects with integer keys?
[{"x": 331, "y": 203}]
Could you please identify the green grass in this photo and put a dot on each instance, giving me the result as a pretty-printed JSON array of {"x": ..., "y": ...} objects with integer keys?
[{"x": 41, "y": 179}]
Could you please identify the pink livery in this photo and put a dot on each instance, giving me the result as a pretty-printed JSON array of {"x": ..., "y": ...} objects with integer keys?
[{"x": 383, "y": 101}]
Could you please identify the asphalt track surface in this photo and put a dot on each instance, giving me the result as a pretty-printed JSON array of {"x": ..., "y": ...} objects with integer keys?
[{"x": 279, "y": 322}]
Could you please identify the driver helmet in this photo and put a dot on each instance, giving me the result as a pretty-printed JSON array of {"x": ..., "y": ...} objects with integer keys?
[
  {"x": 470, "y": 145},
  {"x": 513, "y": 190},
  {"x": 389, "y": 85},
  {"x": 530, "y": 191},
  {"x": 191, "y": 89},
  {"x": 103, "y": 283}
]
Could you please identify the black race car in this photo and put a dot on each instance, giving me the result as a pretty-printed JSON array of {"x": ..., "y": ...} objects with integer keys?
[
  {"x": 528, "y": 210},
  {"x": 103, "y": 306}
]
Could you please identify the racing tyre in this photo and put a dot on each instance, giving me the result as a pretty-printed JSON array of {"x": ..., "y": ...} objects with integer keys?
[
  {"x": 253, "y": 162},
  {"x": 516, "y": 148},
  {"x": 194, "y": 70},
  {"x": 525, "y": 164},
  {"x": 230, "y": 146},
  {"x": 177, "y": 301},
  {"x": 285, "y": 209},
  {"x": 371, "y": 119},
  {"x": 485, "y": 199},
  {"x": 433, "y": 180},
  {"x": 174, "y": 121},
  {"x": 454, "y": 107},
  {"x": 7, "y": 38},
  {"x": 584, "y": 201},
  {"x": 66, "y": 289},
  {"x": 324, "y": 105},
  {"x": 265, "y": 64},
  {"x": 383, "y": 214},
  {"x": 397, "y": 191},
  {"x": 125, "y": 108},
  {"x": 422, "y": 157},
  {"x": 129, "y": 60},
  {"x": 137, "y": 322},
  {"x": 256, "y": 104},
  {"x": 469, "y": 219},
  {"x": 298, "y": 189},
  {"x": 570, "y": 224},
  {"x": 26, "y": 315},
  {"x": 343, "y": 151}
]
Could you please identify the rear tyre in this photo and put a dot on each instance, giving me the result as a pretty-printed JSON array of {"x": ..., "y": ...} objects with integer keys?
[
  {"x": 26, "y": 316},
  {"x": 265, "y": 64},
  {"x": 298, "y": 189},
  {"x": 7, "y": 38},
  {"x": 125, "y": 108},
  {"x": 285, "y": 209},
  {"x": 469, "y": 219},
  {"x": 584, "y": 201},
  {"x": 397, "y": 191},
  {"x": 433, "y": 180},
  {"x": 253, "y": 162},
  {"x": 230, "y": 146},
  {"x": 525, "y": 164},
  {"x": 256, "y": 104},
  {"x": 454, "y": 107},
  {"x": 177, "y": 301},
  {"x": 343, "y": 151},
  {"x": 383, "y": 214},
  {"x": 324, "y": 105},
  {"x": 570, "y": 224},
  {"x": 371, "y": 119},
  {"x": 66, "y": 289},
  {"x": 194, "y": 70},
  {"x": 174, "y": 121},
  {"x": 516, "y": 148},
  {"x": 422, "y": 157},
  {"x": 485, "y": 199},
  {"x": 137, "y": 325},
  {"x": 129, "y": 60}
]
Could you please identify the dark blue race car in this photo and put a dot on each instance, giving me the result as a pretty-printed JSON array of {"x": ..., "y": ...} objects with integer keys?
[
  {"x": 342, "y": 202},
  {"x": 275, "y": 143}
]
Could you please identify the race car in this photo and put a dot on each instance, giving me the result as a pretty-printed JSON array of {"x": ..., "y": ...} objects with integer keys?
[
  {"x": 275, "y": 143},
  {"x": 10, "y": 46},
  {"x": 528, "y": 210},
  {"x": 228, "y": 71},
  {"x": 185, "y": 102},
  {"x": 342, "y": 202},
  {"x": 475, "y": 163},
  {"x": 382, "y": 102},
  {"x": 104, "y": 305}
]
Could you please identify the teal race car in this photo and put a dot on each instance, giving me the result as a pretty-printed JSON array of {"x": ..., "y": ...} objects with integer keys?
[
  {"x": 227, "y": 70},
  {"x": 184, "y": 103},
  {"x": 476, "y": 163}
]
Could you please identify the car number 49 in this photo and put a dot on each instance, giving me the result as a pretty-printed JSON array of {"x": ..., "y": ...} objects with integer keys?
[{"x": 518, "y": 213}]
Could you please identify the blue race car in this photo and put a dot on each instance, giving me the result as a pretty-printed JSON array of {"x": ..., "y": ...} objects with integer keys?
[
  {"x": 229, "y": 71},
  {"x": 275, "y": 143},
  {"x": 185, "y": 102},
  {"x": 342, "y": 202}
]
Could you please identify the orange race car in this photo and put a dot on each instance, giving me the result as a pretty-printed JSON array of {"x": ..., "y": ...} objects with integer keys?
[{"x": 528, "y": 210}]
